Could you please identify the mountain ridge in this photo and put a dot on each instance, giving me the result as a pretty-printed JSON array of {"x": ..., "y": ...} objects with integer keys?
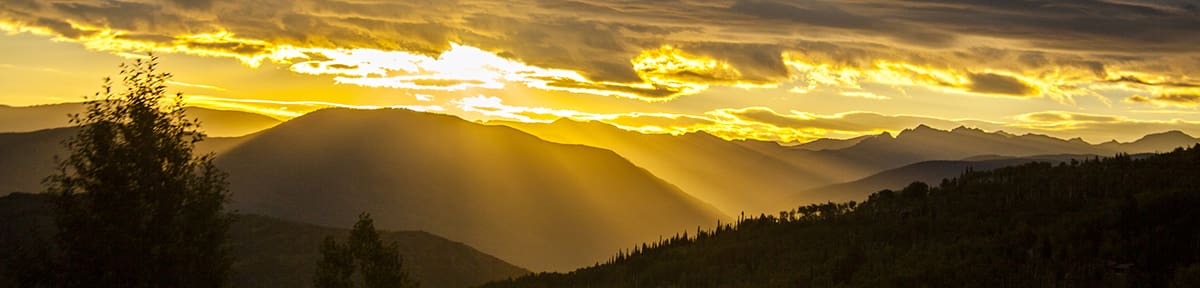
[
  {"x": 501, "y": 190},
  {"x": 215, "y": 122}
]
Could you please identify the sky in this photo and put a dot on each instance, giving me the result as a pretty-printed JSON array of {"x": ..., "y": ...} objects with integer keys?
[{"x": 789, "y": 71}]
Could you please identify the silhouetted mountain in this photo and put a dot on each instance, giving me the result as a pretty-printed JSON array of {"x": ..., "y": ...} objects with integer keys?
[
  {"x": 735, "y": 176},
  {"x": 1153, "y": 143},
  {"x": 541, "y": 205},
  {"x": 928, "y": 172},
  {"x": 26, "y": 158},
  {"x": 832, "y": 144},
  {"x": 216, "y": 123},
  {"x": 1117, "y": 222},
  {"x": 29, "y": 157},
  {"x": 274, "y": 253}
]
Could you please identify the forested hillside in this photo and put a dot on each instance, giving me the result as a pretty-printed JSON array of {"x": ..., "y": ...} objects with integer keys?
[
  {"x": 267, "y": 252},
  {"x": 1114, "y": 222}
]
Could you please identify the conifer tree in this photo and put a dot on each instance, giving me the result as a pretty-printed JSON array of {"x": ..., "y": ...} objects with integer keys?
[{"x": 364, "y": 255}]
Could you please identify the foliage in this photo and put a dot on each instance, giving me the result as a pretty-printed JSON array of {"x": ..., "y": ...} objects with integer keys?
[
  {"x": 1115, "y": 222},
  {"x": 377, "y": 265},
  {"x": 133, "y": 206}
]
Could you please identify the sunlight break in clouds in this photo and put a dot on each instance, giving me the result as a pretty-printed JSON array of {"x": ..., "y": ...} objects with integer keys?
[
  {"x": 286, "y": 109},
  {"x": 688, "y": 58}
]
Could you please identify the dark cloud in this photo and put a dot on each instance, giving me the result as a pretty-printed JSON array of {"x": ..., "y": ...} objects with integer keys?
[
  {"x": 62, "y": 28},
  {"x": 1136, "y": 80},
  {"x": 1184, "y": 98},
  {"x": 654, "y": 92},
  {"x": 999, "y": 84},
  {"x": 338, "y": 66},
  {"x": 193, "y": 4},
  {"x": 1190, "y": 99}
]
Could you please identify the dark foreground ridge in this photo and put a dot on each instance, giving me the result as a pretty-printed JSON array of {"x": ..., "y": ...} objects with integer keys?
[
  {"x": 268, "y": 252},
  {"x": 1114, "y": 222}
]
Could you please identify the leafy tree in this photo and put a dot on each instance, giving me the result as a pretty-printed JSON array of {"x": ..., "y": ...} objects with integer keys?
[
  {"x": 378, "y": 265},
  {"x": 134, "y": 206}
]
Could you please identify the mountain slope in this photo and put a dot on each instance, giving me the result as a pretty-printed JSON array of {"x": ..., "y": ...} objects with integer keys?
[
  {"x": 26, "y": 158},
  {"x": 217, "y": 123},
  {"x": 927, "y": 171},
  {"x": 540, "y": 205},
  {"x": 755, "y": 177},
  {"x": 735, "y": 176},
  {"x": 1118, "y": 222},
  {"x": 273, "y": 253}
]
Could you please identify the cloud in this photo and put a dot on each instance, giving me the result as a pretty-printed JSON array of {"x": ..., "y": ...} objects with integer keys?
[
  {"x": 1095, "y": 127},
  {"x": 863, "y": 94},
  {"x": 1186, "y": 97},
  {"x": 286, "y": 109},
  {"x": 659, "y": 50},
  {"x": 989, "y": 83},
  {"x": 857, "y": 122},
  {"x": 1059, "y": 117}
]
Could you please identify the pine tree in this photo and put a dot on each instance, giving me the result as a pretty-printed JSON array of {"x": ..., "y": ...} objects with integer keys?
[
  {"x": 377, "y": 265},
  {"x": 134, "y": 206}
]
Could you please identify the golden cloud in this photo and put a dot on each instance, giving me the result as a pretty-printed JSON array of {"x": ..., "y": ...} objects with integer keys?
[{"x": 1178, "y": 97}]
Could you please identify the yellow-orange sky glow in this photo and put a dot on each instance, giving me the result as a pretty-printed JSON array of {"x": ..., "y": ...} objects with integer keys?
[{"x": 770, "y": 70}]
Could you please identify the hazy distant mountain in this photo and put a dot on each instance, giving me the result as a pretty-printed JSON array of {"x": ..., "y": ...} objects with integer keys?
[
  {"x": 924, "y": 143},
  {"x": 735, "y": 176},
  {"x": 831, "y": 144},
  {"x": 26, "y": 158},
  {"x": 541, "y": 205},
  {"x": 931, "y": 172},
  {"x": 274, "y": 253},
  {"x": 1153, "y": 143},
  {"x": 756, "y": 176},
  {"x": 217, "y": 123}
]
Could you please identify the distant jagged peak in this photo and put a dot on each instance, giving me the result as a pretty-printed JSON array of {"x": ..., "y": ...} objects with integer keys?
[
  {"x": 919, "y": 130},
  {"x": 566, "y": 121},
  {"x": 963, "y": 129},
  {"x": 1078, "y": 140}
]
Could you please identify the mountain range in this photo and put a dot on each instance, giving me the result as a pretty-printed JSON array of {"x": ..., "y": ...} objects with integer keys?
[
  {"x": 927, "y": 171},
  {"x": 753, "y": 176},
  {"x": 561, "y": 195}
]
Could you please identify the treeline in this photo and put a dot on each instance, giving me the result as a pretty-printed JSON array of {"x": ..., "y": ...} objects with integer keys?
[{"x": 1113, "y": 222}]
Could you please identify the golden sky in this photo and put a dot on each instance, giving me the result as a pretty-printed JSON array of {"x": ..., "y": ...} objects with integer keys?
[{"x": 771, "y": 70}]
